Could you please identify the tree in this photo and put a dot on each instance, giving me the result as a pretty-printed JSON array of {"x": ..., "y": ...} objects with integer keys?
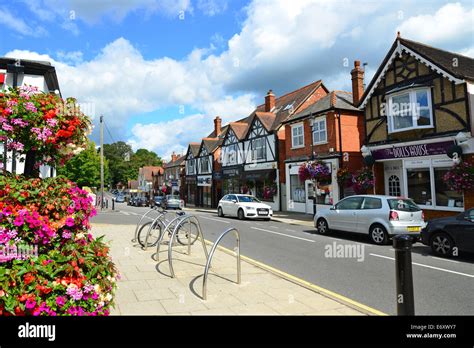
[
  {"x": 84, "y": 168},
  {"x": 122, "y": 170}
]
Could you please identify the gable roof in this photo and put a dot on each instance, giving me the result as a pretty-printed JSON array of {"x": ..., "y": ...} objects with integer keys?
[
  {"x": 334, "y": 100},
  {"x": 436, "y": 59},
  {"x": 193, "y": 148},
  {"x": 177, "y": 162},
  {"x": 289, "y": 103},
  {"x": 148, "y": 171},
  {"x": 211, "y": 144},
  {"x": 239, "y": 129}
]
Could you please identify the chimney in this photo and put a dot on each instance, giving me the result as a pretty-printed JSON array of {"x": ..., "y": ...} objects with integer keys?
[
  {"x": 269, "y": 101},
  {"x": 174, "y": 157},
  {"x": 357, "y": 82},
  {"x": 217, "y": 125}
]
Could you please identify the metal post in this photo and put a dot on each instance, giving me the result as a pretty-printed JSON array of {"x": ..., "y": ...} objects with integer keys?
[
  {"x": 102, "y": 162},
  {"x": 113, "y": 203},
  {"x": 404, "y": 276}
]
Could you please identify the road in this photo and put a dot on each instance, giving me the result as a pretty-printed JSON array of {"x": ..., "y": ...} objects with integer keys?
[{"x": 441, "y": 286}]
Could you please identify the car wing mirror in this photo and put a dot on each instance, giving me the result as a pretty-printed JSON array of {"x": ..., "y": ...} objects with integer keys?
[
  {"x": 234, "y": 201},
  {"x": 333, "y": 208}
]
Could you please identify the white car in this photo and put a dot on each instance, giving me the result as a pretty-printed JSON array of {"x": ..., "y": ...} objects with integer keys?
[
  {"x": 376, "y": 215},
  {"x": 244, "y": 206}
]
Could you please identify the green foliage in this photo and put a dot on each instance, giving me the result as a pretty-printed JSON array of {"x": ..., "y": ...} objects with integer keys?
[
  {"x": 122, "y": 170},
  {"x": 84, "y": 168}
]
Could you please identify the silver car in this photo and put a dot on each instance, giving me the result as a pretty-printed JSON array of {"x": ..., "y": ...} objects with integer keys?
[{"x": 379, "y": 216}]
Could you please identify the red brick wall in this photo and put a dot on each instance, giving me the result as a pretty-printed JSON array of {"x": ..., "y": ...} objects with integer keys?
[
  {"x": 281, "y": 143},
  {"x": 318, "y": 94}
]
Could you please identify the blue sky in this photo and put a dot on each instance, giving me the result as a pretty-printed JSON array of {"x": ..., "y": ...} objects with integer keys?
[{"x": 160, "y": 71}]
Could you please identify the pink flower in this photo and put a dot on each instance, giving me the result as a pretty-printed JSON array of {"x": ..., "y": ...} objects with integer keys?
[
  {"x": 30, "y": 107},
  {"x": 70, "y": 222},
  {"x": 60, "y": 300},
  {"x": 7, "y": 127},
  {"x": 18, "y": 221},
  {"x": 30, "y": 304},
  {"x": 67, "y": 234}
]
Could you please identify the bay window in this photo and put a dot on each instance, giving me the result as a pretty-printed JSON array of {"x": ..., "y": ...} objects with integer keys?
[{"x": 410, "y": 110}]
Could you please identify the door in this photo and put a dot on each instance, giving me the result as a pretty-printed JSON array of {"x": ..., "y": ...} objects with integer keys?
[
  {"x": 232, "y": 210},
  {"x": 371, "y": 208},
  {"x": 309, "y": 197},
  {"x": 345, "y": 216},
  {"x": 393, "y": 178}
]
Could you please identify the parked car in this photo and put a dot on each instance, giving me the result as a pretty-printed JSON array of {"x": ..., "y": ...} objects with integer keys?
[
  {"x": 447, "y": 235},
  {"x": 156, "y": 201},
  {"x": 244, "y": 206},
  {"x": 381, "y": 217},
  {"x": 131, "y": 200},
  {"x": 141, "y": 202},
  {"x": 172, "y": 202},
  {"x": 119, "y": 199}
]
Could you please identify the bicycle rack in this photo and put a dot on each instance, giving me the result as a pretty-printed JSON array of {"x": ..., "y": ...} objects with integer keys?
[
  {"x": 165, "y": 223},
  {"x": 211, "y": 254},
  {"x": 170, "y": 245},
  {"x": 141, "y": 219}
]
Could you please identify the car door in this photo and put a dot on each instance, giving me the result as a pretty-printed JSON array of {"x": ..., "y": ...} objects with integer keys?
[
  {"x": 345, "y": 215},
  {"x": 224, "y": 204},
  {"x": 232, "y": 210},
  {"x": 370, "y": 209},
  {"x": 463, "y": 231}
]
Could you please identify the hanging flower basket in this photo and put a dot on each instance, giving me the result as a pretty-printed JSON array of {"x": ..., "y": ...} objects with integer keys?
[
  {"x": 269, "y": 192},
  {"x": 460, "y": 177},
  {"x": 363, "y": 180},
  {"x": 344, "y": 177},
  {"x": 317, "y": 170}
]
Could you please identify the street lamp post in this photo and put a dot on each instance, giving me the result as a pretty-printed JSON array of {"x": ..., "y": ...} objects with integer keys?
[{"x": 315, "y": 183}]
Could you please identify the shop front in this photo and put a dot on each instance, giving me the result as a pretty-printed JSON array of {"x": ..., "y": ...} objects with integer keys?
[
  {"x": 232, "y": 180},
  {"x": 416, "y": 170},
  {"x": 204, "y": 191},
  {"x": 191, "y": 190},
  {"x": 261, "y": 180},
  {"x": 301, "y": 195}
]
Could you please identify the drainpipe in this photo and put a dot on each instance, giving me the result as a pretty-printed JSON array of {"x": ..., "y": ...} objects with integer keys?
[{"x": 341, "y": 189}]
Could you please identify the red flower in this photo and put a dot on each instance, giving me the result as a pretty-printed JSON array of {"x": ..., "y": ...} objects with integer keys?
[{"x": 28, "y": 278}]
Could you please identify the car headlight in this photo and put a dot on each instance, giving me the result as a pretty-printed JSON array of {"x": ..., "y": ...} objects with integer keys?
[{"x": 250, "y": 208}]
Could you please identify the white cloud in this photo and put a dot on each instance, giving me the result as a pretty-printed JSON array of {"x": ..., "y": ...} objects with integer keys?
[
  {"x": 19, "y": 25},
  {"x": 449, "y": 22},
  {"x": 282, "y": 45},
  {"x": 212, "y": 7}
]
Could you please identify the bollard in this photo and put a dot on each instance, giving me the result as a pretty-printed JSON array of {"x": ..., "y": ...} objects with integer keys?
[
  {"x": 404, "y": 276},
  {"x": 113, "y": 204},
  {"x": 106, "y": 204}
]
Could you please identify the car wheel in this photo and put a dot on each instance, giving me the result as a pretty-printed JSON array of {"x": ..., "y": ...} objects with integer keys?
[
  {"x": 322, "y": 226},
  {"x": 378, "y": 234},
  {"x": 442, "y": 244},
  {"x": 240, "y": 214},
  {"x": 219, "y": 212}
]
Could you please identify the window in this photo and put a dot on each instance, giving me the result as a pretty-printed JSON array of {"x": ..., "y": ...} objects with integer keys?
[
  {"x": 419, "y": 185},
  {"x": 297, "y": 190},
  {"x": 350, "y": 203},
  {"x": 403, "y": 205},
  {"x": 191, "y": 169},
  {"x": 319, "y": 131},
  {"x": 204, "y": 164},
  {"x": 232, "y": 154},
  {"x": 410, "y": 110},
  {"x": 444, "y": 196},
  {"x": 297, "y": 135},
  {"x": 372, "y": 203},
  {"x": 394, "y": 186},
  {"x": 258, "y": 149}
]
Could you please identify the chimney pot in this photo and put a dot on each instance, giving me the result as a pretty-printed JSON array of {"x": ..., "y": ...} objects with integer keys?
[
  {"x": 269, "y": 101},
  {"x": 357, "y": 82}
]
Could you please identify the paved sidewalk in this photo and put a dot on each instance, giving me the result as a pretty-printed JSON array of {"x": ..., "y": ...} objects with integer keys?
[
  {"x": 281, "y": 216},
  {"x": 147, "y": 289}
]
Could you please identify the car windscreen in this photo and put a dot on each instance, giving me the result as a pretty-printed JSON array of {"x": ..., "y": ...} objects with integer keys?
[
  {"x": 403, "y": 205},
  {"x": 247, "y": 199},
  {"x": 172, "y": 197}
]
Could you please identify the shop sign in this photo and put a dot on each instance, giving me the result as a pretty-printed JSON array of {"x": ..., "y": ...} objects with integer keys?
[
  {"x": 231, "y": 172},
  {"x": 205, "y": 180},
  {"x": 418, "y": 150},
  {"x": 174, "y": 183}
]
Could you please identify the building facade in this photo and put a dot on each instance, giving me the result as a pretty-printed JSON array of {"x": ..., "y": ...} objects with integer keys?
[
  {"x": 418, "y": 116},
  {"x": 19, "y": 72},
  {"x": 174, "y": 174}
]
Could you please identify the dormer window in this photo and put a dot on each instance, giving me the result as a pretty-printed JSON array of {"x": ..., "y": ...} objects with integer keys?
[{"x": 410, "y": 110}]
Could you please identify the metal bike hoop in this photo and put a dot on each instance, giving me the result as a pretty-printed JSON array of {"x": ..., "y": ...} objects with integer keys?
[
  {"x": 211, "y": 254},
  {"x": 170, "y": 245},
  {"x": 166, "y": 228},
  {"x": 139, "y": 222},
  {"x": 162, "y": 220}
]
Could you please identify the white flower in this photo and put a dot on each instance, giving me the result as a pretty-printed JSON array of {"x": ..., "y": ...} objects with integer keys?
[{"x": 108, "y": 297}]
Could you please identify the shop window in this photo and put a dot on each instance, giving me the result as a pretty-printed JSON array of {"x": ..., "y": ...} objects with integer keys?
[
  {"x": 324, "y": 194},
  {"x": 419, "y": 185},
  {"x": 444, "y": 196},
  {"x": 297, "y": 190},
  {"x": 394, "y": 186},
  {"x": 410, "y": 110},
  {"x": 297, "y": 135},
  {"x": 319, "y": 131}
]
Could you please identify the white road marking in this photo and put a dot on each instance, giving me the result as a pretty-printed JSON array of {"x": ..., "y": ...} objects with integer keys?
[
  {"x": 282, "y": 234},
  {"x": 125, "y": 213},
  {"x": 287, "y": 229},
  {"x": 434, "y": 257},
  {"x": 220, "y": 220},
  {"x": 427, "y": 266}
]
